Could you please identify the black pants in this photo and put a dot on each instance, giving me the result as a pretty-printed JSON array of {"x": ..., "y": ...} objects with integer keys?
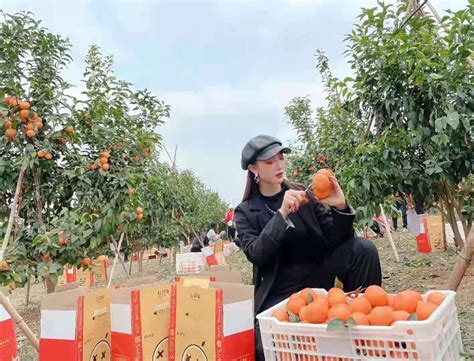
[
  {"x": 354, "y": 262},
  {"x": 230, "y": 233}
]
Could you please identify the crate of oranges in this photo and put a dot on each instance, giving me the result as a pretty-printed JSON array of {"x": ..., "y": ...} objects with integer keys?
[{"x": 316, "y": 324}]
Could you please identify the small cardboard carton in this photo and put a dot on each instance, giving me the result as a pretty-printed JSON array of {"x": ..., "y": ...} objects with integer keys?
[
  {"x": 8, "y": 348},
  {"x": 75, "y": 326},
  {"x": 140, "y": 322},
  {"x": 211, "y": 321}
]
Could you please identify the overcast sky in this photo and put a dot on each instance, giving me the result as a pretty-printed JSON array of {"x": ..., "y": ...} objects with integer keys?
[{"x": 227, "y": 68}]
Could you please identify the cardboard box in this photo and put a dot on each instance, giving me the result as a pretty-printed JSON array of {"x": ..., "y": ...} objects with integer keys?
[
  {"x": 140, "y": 322},
  {"x": 75, "y": 326},
  {"x": 8, "y": 347},
  {"x": 69, "y": 275},
  {"x": 434, "y": 228},
  {"x": 211, "y": 321}
]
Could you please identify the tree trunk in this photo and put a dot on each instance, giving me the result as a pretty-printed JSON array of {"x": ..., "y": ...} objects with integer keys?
[
  {"x": 28, "y": 287},
  {"x": 451, "y": 209},
  {"x": 464, "y": 259},
  {"x": 50, "y": 285},
  {"x": 140, "y": 259},
  {"x": 130, "y": 265},
  {"x": 11, "y": 220}
]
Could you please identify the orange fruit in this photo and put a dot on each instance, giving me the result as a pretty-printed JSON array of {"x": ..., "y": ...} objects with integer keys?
[
  {"x": 307, "y": 291},
  {"x": 86, "y": 261},
  {"x": 415, "y": 294},
  {"x": 340, "y": 311},
  {"x": 39, "y": 125},
  {"x": 376, "y": 295},
  {"x": 436, "y": 298},
  {"x": 336, "y": 296},
  {"x": 29, "y": 126},
  {"x": 41, "y": 153},
  {"x": 390, "y": 300},
  {"x": 35, "y": 116},
  {"x": 400, "y": 315},
  {"x": 318, "y": 310},
  {"x": 326, "y": 171},
  {"x": 13, "y": 102},
  {"x": 104, "y": 154},
  {"x": 304, "y": 314},
  {"x": 281, "y": 315},
  {"x": 24, "y": 114},
  {"x": 105, "y": 167},
  {"x": 94, "y": 166},
  {"x": 24, "y": 105},
  {"x": 7, "y": 101},
  {"x": 7, "y": 124},
  {"x": 103, "y": 160},
  {"x": 4, "y": 266},
  {"x": 46, "y": 257},
  {"x": 360, "y": 318},
  {"x": 10, "y": 133},
  {"x": 294, "y": 305},
  {"x": 405, "y": 302},
  {"x": 69, "y": 130},
  {"x": 360, "y": 304},
  {"x": 425, "y": 309},
  {"x": 322, "y": 186},
  {"x": 30, "y": 133},
  {"x": 381, "y": 316},
  {"x": 130, "y": 191},
  {"x": 48, "y": 156},
  {"x": 140, "y": 210},
  {"x": 140, "y": 216}
]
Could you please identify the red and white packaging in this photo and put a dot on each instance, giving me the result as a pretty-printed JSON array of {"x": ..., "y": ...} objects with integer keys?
[
  {"x": 210, "y": 256},
  {"x": 211, "y": 321},
  {"x": 8, "y": 347},
  {"x": 140, "y": 322},
  {"x": 75, "y": 326}
]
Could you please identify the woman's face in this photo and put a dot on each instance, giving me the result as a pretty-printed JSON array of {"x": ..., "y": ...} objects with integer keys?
[{"x": 271, "y": 170}]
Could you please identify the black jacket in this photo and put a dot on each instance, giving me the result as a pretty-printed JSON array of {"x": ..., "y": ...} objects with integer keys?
[{"x": 260, "y": 234}]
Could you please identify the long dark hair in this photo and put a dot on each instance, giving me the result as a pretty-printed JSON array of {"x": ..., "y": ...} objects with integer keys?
[{"x": 251, "y": 186}]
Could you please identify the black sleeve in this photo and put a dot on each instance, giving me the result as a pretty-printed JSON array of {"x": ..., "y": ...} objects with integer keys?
[
  {"x": 337, "y": 226},
  {"x": 262, "y": 248}
]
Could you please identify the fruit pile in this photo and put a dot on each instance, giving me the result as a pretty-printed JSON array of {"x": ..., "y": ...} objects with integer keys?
[{"x": 375, "y": 307}]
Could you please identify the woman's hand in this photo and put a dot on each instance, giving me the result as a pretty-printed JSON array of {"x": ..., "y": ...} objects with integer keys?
[
  {"x": 292, "y": 200},
  {"x": 336, "y": 199}
]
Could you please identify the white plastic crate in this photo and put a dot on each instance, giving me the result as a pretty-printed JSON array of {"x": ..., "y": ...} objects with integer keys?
[
  {"x": 435, "y": 339},
  {"x": 190, "y": 263}
]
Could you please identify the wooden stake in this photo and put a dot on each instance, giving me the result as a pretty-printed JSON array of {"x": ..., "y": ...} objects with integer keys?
[
  {"x": 19, "y": 321},
  {"x": 120, "y": 258},
  {"x": 389, "y": 234},
  {"x": 117, "y": 251},
  {"x": 11, "y": 220},
  {"x": 28, "y": 286},
  {"x": 130, "y": 266},
  {"x": 464, "y": 259}
]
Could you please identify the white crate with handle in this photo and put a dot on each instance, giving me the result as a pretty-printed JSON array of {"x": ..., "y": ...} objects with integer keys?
[
  {"x": 436, "y": 339},
  {"x": 190, "y": 263}
]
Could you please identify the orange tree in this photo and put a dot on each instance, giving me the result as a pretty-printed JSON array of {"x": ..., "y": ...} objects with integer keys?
[
  {"x": 78, "y": 156},
  {"x": 403, "y": 122}
]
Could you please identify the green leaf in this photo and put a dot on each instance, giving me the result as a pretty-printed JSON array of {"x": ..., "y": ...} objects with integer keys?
[
  {"x": 338, "y": 283},
  {"x": 440, "y": 123},
  {"x": 309, "y": 297},
  {"x": 453, "y": 120},
  {"x": 413, "y": 317},
  {"x": 293, "y": 318},
  {"x": 335, "y": 324},
  {"x": 366, "y": 183},
  {"x": 351, "y": 322},
  {"x": 436, "y": 76}
]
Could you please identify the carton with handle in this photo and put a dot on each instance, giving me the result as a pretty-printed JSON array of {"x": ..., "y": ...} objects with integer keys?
[
  {"x": 211, "y": 321},
  {"x": 75, "y": 326}
]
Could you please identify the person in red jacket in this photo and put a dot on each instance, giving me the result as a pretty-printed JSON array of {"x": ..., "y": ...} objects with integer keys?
[{"x": 230, "y": 222}]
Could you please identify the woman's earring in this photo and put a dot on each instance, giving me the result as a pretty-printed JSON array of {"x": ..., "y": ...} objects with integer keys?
[{"x": 256, "y": 178}]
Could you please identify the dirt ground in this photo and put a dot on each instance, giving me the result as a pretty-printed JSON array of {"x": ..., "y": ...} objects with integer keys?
[{"x": 417, "y": 271}]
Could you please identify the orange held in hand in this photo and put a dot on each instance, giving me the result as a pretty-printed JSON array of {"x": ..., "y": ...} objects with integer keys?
[{"x": 322, "y": 186}]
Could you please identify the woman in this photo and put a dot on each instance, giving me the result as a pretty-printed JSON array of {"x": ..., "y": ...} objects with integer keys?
[{"x": 294, "y": 240}]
